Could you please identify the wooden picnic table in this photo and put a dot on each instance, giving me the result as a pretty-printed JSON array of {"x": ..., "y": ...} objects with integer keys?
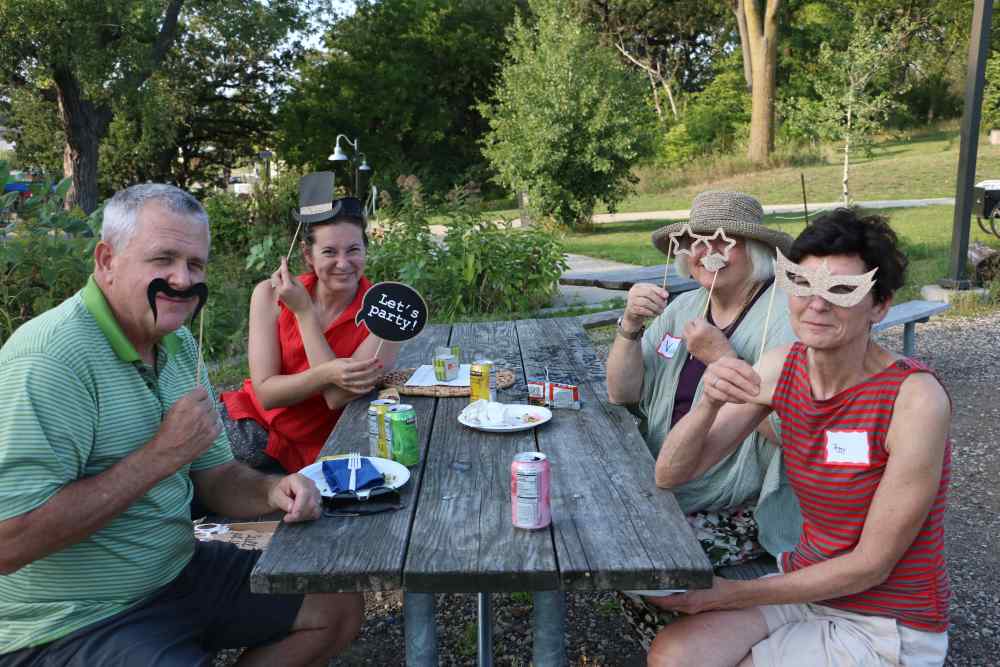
[
  {"x": 623, "y": 279},
  {"x": 611, "y": 527}
]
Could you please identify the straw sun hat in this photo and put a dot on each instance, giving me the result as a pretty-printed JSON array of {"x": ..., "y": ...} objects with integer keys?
[{"x": 736, "y": 213}]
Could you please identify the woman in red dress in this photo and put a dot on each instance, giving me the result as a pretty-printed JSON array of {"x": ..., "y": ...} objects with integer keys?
[{"x": 307, "y": 357}]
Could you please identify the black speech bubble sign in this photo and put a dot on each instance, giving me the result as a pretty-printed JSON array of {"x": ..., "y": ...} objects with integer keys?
[{"x": 392, "y": 311}]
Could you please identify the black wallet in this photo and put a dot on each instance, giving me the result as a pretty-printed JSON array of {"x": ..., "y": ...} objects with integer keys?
[{"x": 374, "y": 501}]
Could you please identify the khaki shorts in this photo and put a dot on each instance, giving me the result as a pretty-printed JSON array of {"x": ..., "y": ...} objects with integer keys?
[{"x": 813, "y": 634}]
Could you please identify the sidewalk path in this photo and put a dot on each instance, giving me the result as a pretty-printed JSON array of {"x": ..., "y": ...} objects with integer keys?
[{"x": 684, "y": 214}]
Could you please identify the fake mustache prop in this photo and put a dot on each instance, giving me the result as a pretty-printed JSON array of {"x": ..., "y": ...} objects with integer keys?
[{"x": 199, "y": 290}]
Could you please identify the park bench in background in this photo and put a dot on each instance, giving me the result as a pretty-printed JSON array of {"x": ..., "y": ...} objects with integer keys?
[
  {"x": 623, "y": 279},
  {"x": 908, "y": 313}
]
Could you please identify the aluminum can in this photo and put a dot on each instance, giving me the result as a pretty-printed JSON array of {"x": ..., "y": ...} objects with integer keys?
[
  {"x": 530, "y": 477},
  {"x": 379, "y": 430},
  {"x": 445, "y": 367},
  {"x": 482, "y": 381},
  {"x": 405, "y": 443}
]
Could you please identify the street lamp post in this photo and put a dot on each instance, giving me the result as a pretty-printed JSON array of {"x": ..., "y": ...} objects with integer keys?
[
  {"x": 338, "y": 155},
  {"x": 266, "y": 156}
]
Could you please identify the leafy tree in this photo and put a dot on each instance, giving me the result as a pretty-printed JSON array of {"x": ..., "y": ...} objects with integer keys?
[
  {"x": 856, "y": 87},
  {"x": 148, "y": 75},
  {"x": 403, "y": 76},
  {"x": 568, "y": 121},
  {"x": 674, "y": 44},
  {"x": 84, "y": 55}
]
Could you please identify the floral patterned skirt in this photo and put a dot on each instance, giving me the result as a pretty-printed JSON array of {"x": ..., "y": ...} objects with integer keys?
[{"x": 729, "y": 537}]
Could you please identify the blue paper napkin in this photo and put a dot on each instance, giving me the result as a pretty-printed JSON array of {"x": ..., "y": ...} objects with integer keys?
[{"x": 338, "y": 476}]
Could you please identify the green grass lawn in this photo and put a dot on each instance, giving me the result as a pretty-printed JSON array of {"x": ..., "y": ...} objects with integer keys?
[
  {"x": 925, "y": 232},
  {"x": 923, "y": 166}
]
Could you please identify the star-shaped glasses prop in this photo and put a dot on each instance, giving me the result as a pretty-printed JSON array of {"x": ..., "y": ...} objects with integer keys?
[
  {"x": 683, "y": 247},
  {"x": 840, "y": 290},
  {"x": 714, "y": 261}
]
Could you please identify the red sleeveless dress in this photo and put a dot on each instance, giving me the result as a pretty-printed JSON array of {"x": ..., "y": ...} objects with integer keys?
[
  {"x": 836, "y": 491},
  {"x": 296, "y": 433}
]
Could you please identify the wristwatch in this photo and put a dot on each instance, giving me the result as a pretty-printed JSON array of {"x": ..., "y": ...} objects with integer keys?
[{"x": 629, "y": 335}]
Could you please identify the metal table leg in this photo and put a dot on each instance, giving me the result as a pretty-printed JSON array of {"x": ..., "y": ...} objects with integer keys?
[
  {"x": 484, "y": 632},
  {"x": 420, "y": 629},
  {"x": 549, "y": 621}
]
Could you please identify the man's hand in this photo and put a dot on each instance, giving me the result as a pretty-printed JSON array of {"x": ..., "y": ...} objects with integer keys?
[
  {"x": 190, "y": 426},
  {"x": 722, "y": 595},
  {"x": 706, "y": 342},
  {"x": 731, "y": 380},
  {"x": 297, "y": 496},
  {"x": 290, "y": 291},
  {"x": 357, "y": 376},
  {"x": 644, "y": 301}
]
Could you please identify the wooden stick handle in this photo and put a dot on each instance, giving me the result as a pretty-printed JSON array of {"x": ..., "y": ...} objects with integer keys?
[
  {"x": 201, "y": 337},
  {"x": 767, "y": 321},
  {"x": 708, "y": 302},
  {"x": 379, "y": 348},
  {"x": 294, "y": 237},
  {"x": 666, "y": 267}
]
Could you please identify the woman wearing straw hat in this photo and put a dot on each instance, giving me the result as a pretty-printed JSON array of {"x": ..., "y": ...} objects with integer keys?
[
  {"x": 308, "y": 359},
  {"x": 742, "y": 507}
]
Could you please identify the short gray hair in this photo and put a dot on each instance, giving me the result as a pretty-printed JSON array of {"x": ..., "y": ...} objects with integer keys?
[
  {"x": 760, "y": 255},
  {"x": 121, "y": 213}
]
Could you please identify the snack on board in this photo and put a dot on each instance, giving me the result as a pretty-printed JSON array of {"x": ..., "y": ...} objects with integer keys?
[{"x": 396, "y": 379}]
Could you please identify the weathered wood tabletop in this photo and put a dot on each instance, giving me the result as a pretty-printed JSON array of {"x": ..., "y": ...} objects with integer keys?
[
  {"x": 611, "y": 527},
  {"x": 623, "y": 279}
]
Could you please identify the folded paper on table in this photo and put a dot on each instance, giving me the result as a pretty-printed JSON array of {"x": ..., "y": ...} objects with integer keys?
[
  {"x": 424, "y": 377},
  {"x": 338, "y": 475}
]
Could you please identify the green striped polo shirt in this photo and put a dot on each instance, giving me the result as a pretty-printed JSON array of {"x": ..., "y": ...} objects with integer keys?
[{"x": 75, "y": 399}]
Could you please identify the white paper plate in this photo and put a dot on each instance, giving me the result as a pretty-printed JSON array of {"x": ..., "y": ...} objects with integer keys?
[
  {"x": 525, "y": 416},
  {"x": 396, "y": 474},
  {"x": 658, "y": 594}
]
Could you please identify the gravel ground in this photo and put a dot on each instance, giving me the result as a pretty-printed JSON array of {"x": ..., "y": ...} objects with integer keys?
[{"x": 965, "y": 353}]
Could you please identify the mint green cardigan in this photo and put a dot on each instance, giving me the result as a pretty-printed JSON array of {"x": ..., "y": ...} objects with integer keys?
[{"x": 753, "y": 473}]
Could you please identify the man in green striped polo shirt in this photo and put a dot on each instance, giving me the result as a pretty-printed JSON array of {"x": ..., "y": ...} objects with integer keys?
[{"x": 108, "y": 429}]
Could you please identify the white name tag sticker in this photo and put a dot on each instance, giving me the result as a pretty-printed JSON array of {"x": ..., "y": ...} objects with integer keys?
[
  {"x": 668, "y": 346},
  {"x": 847, "y": 448}
]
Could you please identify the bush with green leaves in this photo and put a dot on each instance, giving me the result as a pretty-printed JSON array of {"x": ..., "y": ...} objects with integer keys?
[
  {"x": 481, "y": 266},
  {"x": 229, "y": 216},
  {"x": 568, "y": 120},
  {"x": 45, "y": 251}
]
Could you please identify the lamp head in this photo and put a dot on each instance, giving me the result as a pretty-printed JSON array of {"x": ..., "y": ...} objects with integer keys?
[{"x": 338, "y": 154}]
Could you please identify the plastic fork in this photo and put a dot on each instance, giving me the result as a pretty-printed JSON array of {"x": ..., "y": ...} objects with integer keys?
[{"x": 354, "y": 465}]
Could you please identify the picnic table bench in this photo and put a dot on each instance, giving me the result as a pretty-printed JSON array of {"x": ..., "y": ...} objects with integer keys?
[
  {"x": 623, "y": 279},
  {"x": 611, "y": 527},
  {"x": 908, "y": 313}
]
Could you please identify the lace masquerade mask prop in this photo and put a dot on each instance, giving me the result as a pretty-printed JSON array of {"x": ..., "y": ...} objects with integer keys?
[{"x": 840, "y": 290}]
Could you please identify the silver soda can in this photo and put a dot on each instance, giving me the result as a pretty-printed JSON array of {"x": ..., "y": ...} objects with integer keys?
[
  {"x": 530, "y": 478},
  {"x": 379, "y": 431}
]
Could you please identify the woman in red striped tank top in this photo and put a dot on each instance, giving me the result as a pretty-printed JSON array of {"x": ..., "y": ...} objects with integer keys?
[{"x": 865, "y": 440}]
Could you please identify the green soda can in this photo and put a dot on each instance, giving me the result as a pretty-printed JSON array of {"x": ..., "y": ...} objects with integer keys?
[{"x": 405, "y": 444}]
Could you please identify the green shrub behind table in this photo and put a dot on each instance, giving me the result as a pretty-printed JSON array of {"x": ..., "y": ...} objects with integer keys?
[
  {"x": 45, "y": 251},
  {"x": 479, "y": 267}
]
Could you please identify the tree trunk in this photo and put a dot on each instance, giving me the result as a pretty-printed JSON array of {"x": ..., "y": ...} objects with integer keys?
[
  {"x": 656, "y": 96},
  {"x": 847, "y": 154},
  {"x": 741, "y": 25},
  {"x": 762, "y": 33},
  {"x": 85, "y": 126}
]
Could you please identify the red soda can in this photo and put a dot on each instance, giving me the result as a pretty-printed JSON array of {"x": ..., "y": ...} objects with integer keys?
[{"x": 530, "y": 476}]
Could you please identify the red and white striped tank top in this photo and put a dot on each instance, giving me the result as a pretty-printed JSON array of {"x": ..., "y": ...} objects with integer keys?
[{"x": 835, "y": 455}]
